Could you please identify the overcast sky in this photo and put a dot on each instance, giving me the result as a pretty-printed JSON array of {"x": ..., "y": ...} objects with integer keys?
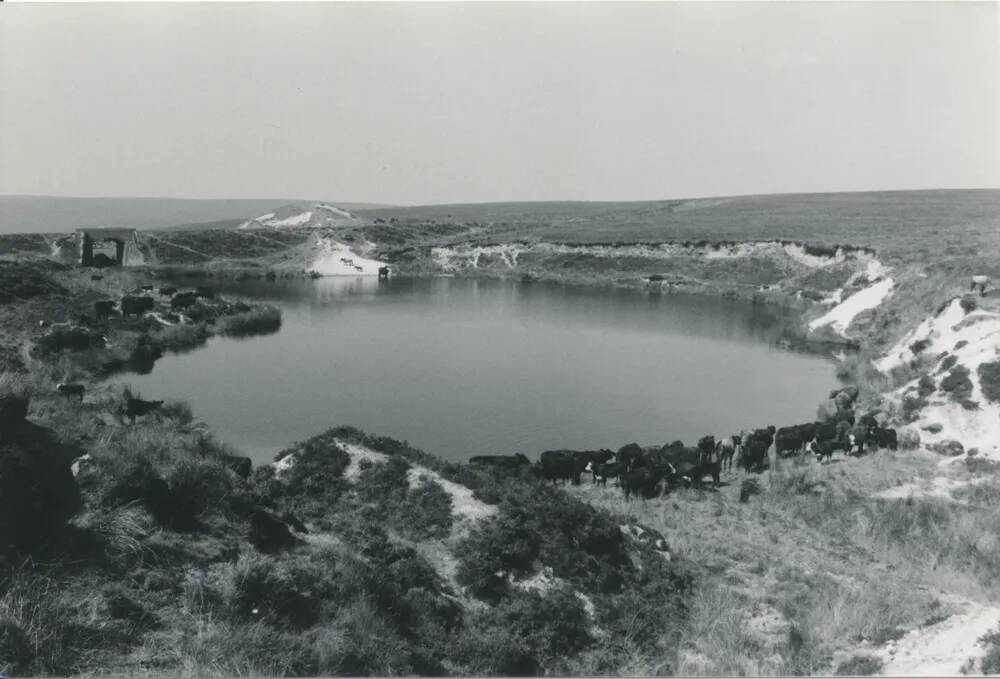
[{"x": 429, "y": 103}]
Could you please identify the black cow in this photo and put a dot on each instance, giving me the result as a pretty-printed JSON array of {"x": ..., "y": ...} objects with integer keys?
[
  {"x": 183, "y": 300},
  {"x": 270, "y": 275},
  {"x": 136, "y": 407},
  {"x": 603, "y": 472},
  {"x": 136, "y": 306},
  {"x": 703, "y": 469},
  {"x": 788, "y": 441},
  {"x": 886, "y": 438},
  {"x": 204, "y": 291},
  {"x": 826, "y": 448},
  {"x": 629, "y": 456},
  {"x": 826, "y": 431},
  {"x": 755, "y": 454},
  {"x": 502, "y": 461},
  {"x": 168, "y": 291},
  {"x": 808, "y": 431},
  {"x": 68, "y": 390},
  {"x": 103, "y": 309},
  {"x": 706, "y": 445},
  {"x": 642, "y": 481},
  {"x": 857, "y": 437},
  {"x": 586, "y": 457},
  {"x": 383, "y": 273},
  {"x": 561, "y": 465}
]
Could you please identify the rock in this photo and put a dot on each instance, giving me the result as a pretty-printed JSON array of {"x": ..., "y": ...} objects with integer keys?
[
  {"x": 972, "y": 452},
  {"x": 949, "y": 448},
  {"x": 933, "y": 428},
  {"x": 909, "y": 438},
  {"x": 268, "y": 533},
  {"x": 294, "y": 522}
]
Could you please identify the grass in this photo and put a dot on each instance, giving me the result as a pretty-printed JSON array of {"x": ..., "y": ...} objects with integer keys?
[{"x": 259, "y": 321}]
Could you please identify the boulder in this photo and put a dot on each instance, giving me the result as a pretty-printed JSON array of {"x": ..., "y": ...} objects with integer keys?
[
  {"x": 972, "y": 452},
  {"x": 909, "y": 438},
  {"x": 268, "y": 533},
  {"x": 949, "y": 448},
  {"x": 933, "y": 428}
]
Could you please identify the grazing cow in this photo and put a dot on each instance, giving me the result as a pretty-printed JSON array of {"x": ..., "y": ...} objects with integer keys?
[
  {"x": 886, "y": 438},
  {"x": 204, "y": 291},
  {"x": 183, "y": 300},
  {"x": 642, "y": 481},
  {"x": 981, "y": 282},
  {"x": 359, "y": 268},
  {"x": 562, "y": 464},
  {"x": 826, "y": 448},
  {"x": 383, "y": 273},
  {"x": 103, "y": 309},
  {"x": 96, "y": 277},
  {"x": 168, "y": 291},
  {"x": 68, "y": 390},
  {"x": 699, "y": 471},
  {"x": 136, "y": 407},
  {"x": 502, "y": 461},
  {"x": 727, "y": 451},
  {"x": 788, "y": 441},
  {"x": 602, "y": 472},
  {"x": 136, "y": 306},
  {"x": 270, "y": 275}
]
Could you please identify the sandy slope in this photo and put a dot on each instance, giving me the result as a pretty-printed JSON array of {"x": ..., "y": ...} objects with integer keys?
[{"x": 941, "y": 649}]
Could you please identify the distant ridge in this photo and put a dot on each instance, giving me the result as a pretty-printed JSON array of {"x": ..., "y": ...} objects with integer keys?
[{"x": 59, "y": 214}]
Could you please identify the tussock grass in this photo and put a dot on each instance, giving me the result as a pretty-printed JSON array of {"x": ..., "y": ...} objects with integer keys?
[{"x": 258, "y": 321}]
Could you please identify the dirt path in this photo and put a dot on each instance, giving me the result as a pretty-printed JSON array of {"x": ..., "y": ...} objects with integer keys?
[{"x": 941, "y": 649}]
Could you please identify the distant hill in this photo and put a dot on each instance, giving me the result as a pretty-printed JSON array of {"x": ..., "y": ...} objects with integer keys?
[
  {"x": 314, "y": 216},
  {"x": 48, "y": 214}
]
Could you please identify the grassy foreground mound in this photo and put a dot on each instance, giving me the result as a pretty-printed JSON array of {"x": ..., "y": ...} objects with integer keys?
[{"x": 352, "y": 554}]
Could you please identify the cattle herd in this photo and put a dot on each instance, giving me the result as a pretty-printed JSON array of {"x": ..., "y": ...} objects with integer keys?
[{"x": 651, "y": 471}]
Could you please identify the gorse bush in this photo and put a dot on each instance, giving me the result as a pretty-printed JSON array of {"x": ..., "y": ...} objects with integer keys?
[
  {"x": 957, "y": 383},
  {"x": 989, "y": 380}
]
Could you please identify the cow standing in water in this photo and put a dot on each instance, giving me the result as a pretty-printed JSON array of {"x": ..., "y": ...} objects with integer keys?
[{"x": 980, "y": 282}]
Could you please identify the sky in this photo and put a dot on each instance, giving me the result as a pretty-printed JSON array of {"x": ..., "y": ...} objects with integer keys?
[{"x": 416, "y": 103}]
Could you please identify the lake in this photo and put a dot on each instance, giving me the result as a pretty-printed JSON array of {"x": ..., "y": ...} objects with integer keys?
[{"x": 460, "y": 367}]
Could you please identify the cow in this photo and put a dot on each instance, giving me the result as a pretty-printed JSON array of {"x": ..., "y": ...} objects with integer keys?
[
  {"x": 885, "y": 438},
  {"x": 629, "y": 456},
  {"x": 726, "y": 448},
  {"x": 788, "y": 440},
  {"x": 136, "y": 407},
  {"x": 146, "y": 288},
  {"x": 642, "y": 481},
  {"x": 603, "y": 472},
  {"x": 981, "y": 282},
  {"x": 204, "y": 291},
  {"x": 103, "y": 309},
  {"x": 136, "y": 305},
  {"x": 562, "y": 464},
  {"x": 383, "y": 273},
  {"x": 699, "y": 471},
  {"x": 270, "y": 275},
  {"x": 826, "y": 431},
  {"x": 68, "y": 390},
  {"x": 183, "y": 300},
  {"x": 359, "y": 269},
  {"x": 826, "y": 448},
  {"x": 857, "y": 438},
  {"x": 168, "y": 291},
  {"x": 502, "y": 461},
  {"x": 808, "y": 431}
]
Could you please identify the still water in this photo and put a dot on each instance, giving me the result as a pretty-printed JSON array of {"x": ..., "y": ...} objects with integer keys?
[{"x": 463, "y": 367}]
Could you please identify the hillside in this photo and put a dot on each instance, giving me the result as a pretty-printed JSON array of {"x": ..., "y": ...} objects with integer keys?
[{"x": 58, "y": 214}]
